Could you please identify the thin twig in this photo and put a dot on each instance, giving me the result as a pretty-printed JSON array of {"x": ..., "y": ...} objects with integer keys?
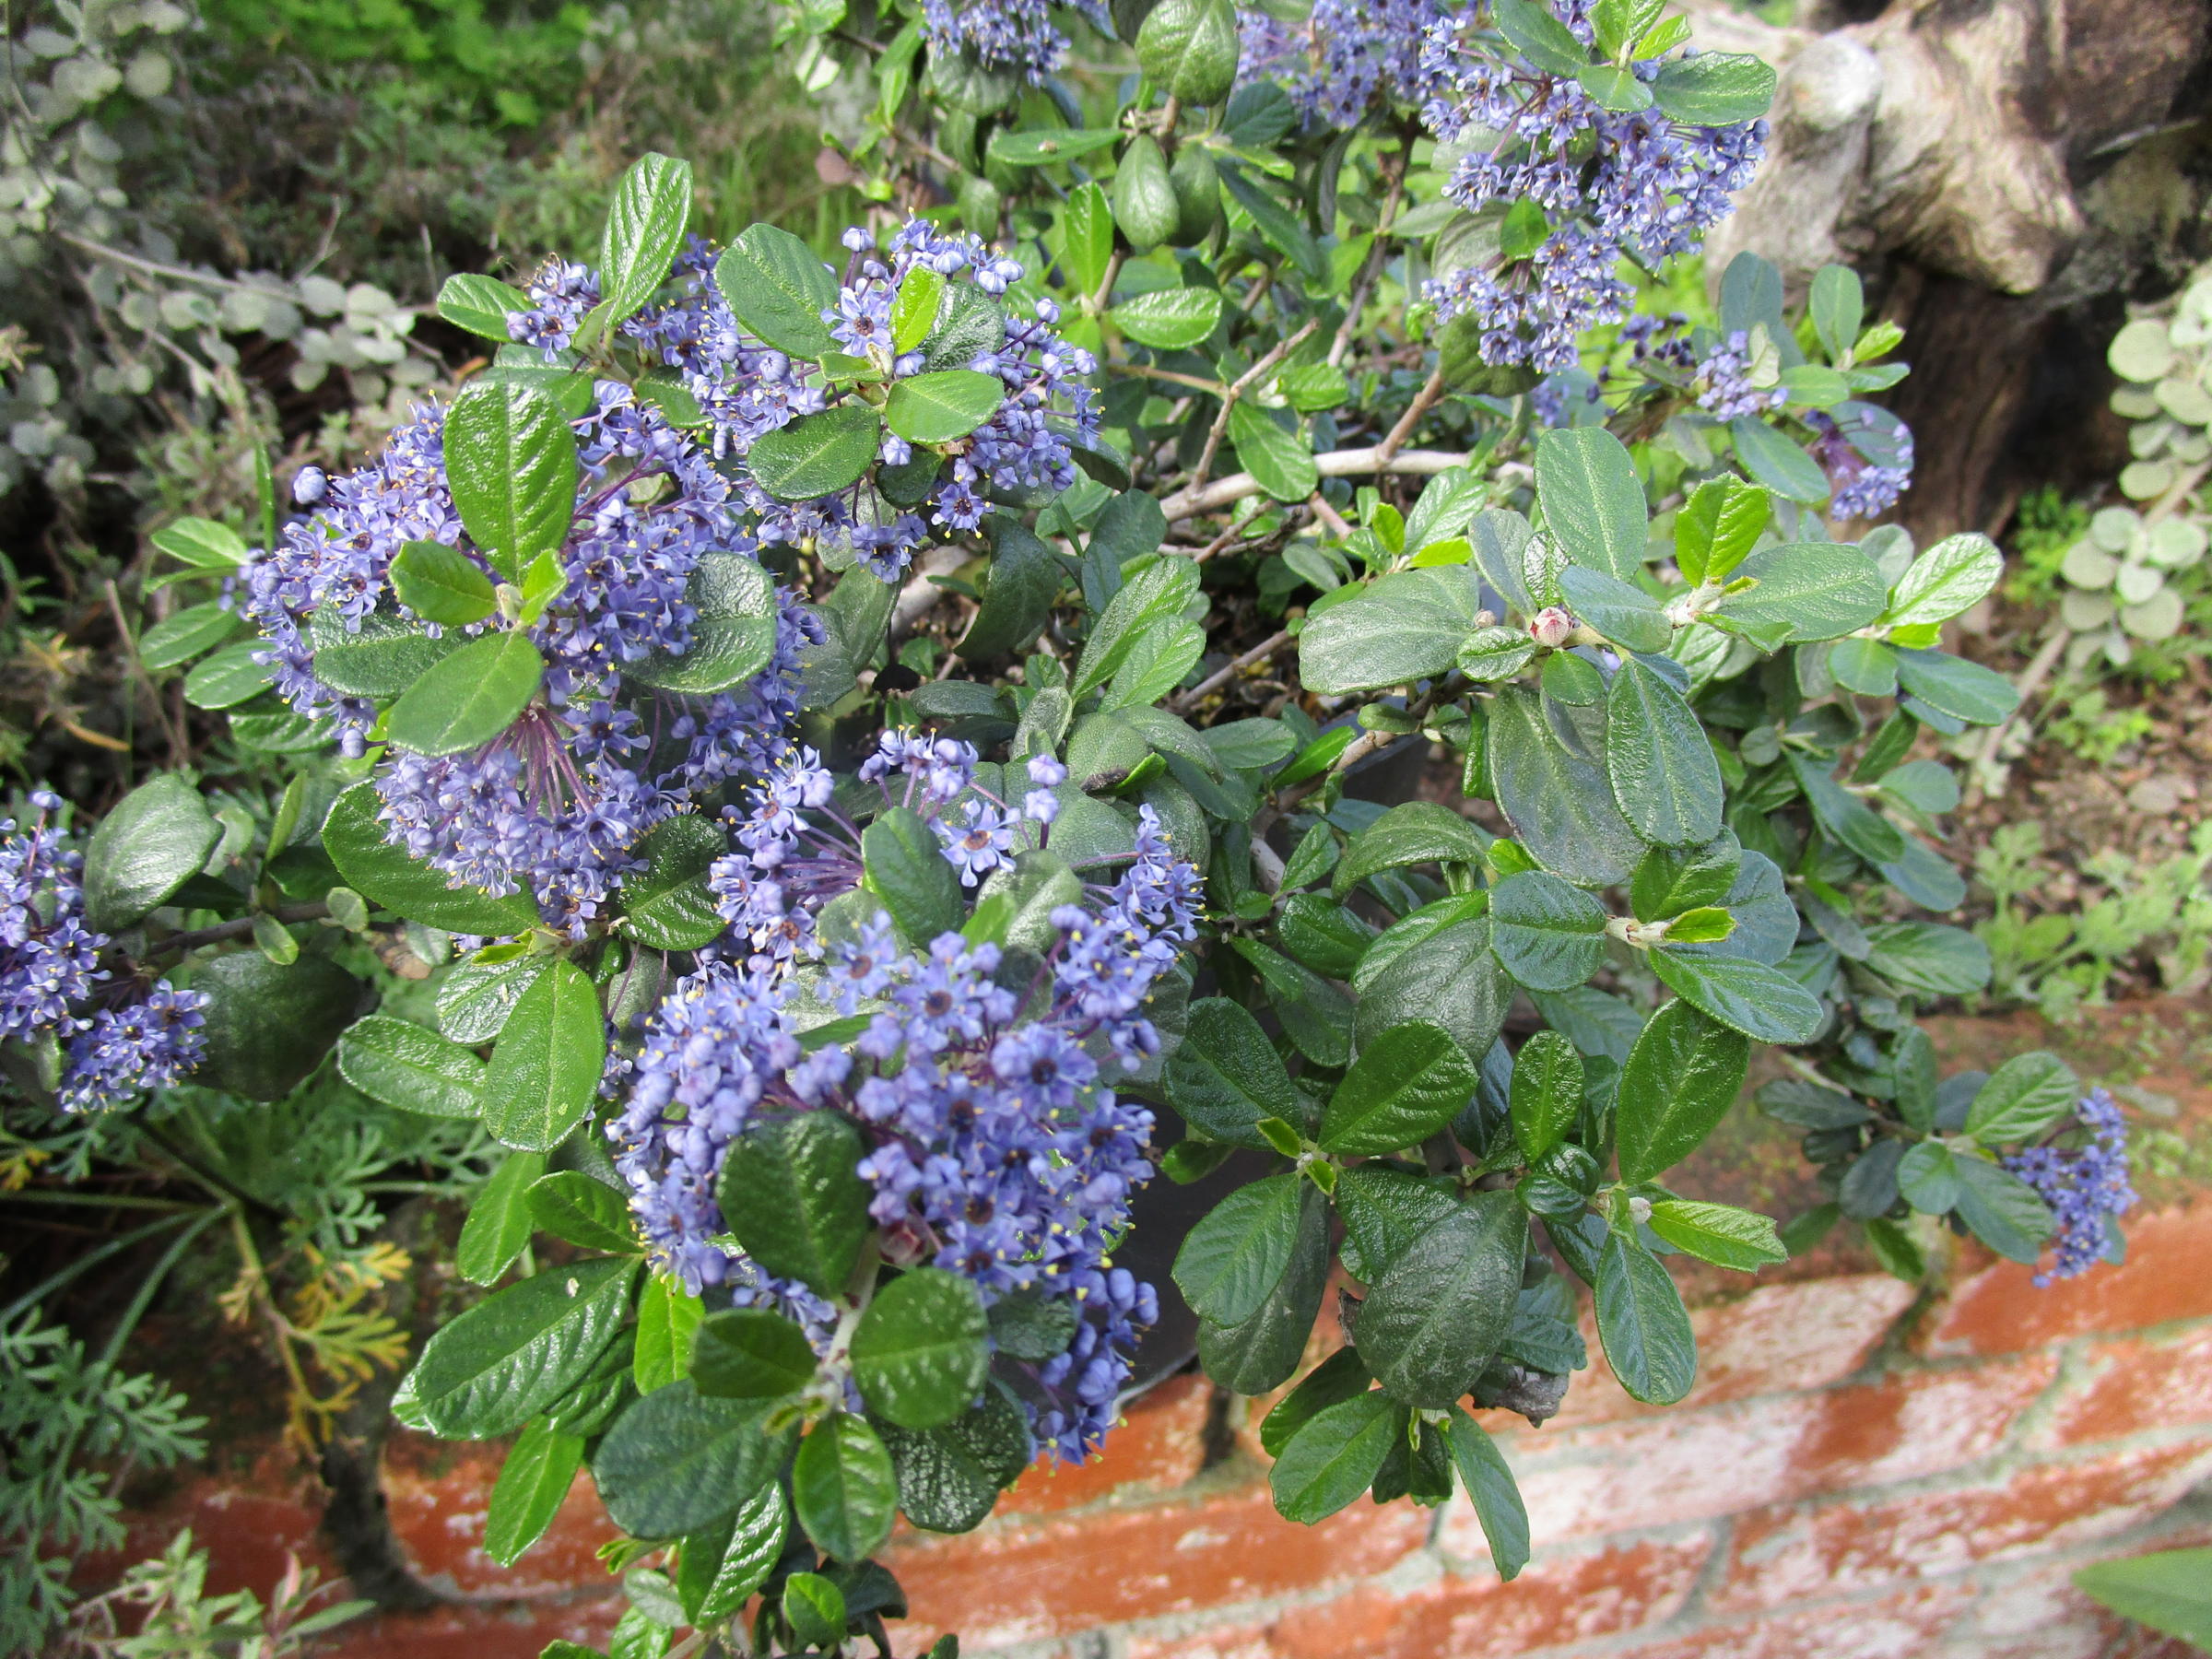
[
  {"x": 185, "y": 943},
  {"x": 1328, "y": 515},
  {"x": 1215, "y": 681},
  {"x": 1431, "y": 389},
  {"x": 1244, "y": 382},
  {"x": 1337, "y": 463},
  {"x": 1369, "y": 269}
]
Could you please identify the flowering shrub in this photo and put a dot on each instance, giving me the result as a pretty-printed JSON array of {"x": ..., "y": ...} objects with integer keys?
[{"x": 820, "y": 711}]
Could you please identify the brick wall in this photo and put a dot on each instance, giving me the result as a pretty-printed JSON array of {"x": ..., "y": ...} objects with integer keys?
[{"x": 1865, "y": 1470}]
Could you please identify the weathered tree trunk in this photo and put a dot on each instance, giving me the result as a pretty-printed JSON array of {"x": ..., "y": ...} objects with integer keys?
[{"x": 2006, "y": 174}]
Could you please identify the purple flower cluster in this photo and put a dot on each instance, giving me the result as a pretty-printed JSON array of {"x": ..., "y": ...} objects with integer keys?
[
  {"x": 1349, "y": 53},
  {"x": 49, "y": 969},
  {"x": 747, "y": 389},
  {"x": 2085, "y": 1185},
  {"x": 1612, "y": 186},
  {"x": 1002, "y": 34},
  {"x": 555, "y": 804},
  {"x": 1723, "y": 381},
  {"x": 1865, "y": 486},
  {"x": 996, "y": 1150}
]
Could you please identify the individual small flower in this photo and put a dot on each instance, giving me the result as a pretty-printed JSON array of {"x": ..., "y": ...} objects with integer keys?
[
  {"x": 983, "y": 842},
  {"x": 2085, "y": 1185},
  {"x": 309, "y": 485}
]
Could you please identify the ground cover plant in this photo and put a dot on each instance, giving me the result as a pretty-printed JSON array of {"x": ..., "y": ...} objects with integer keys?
[{"x": 802, "y": 786}]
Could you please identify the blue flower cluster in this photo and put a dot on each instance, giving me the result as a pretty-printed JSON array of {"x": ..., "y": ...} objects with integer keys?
[
  {"x": 1349, "y": 53},
  {"x": 50, "y": 967},
  {"x": 1723, "y": 381},
  {"x": 1002, "y": 34},
  {"x": 2085, "y": 1185},
  {"x": 1865, "y": 486},
  {"x": 996, "y": 1149},
  {"x": 748, "y": 389},
  {"x": 555, "y": 803},
  {"x": 1612, "y": 186}
]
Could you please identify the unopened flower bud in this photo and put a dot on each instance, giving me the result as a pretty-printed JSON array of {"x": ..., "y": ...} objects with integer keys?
[{"x": 1550, "y": 627}]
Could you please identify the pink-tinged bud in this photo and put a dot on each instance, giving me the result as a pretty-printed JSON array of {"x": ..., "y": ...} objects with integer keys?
[{"x": 1550, "y": 627}]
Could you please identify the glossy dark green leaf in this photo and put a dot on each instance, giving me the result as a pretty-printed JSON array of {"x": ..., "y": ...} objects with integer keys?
[
  {"x": 1450, "y": 979},
  {"x": 644, "y": 228},
  {"x": 1680, "y": 1078},
  {"x": 1403, "y": 627},
  {"x": 1549, "y": 934},
  {"x": 1929, "y": 1177},
  {"x": 498, "y": 1222},
  {"x": 750, "y": 1354},
  {"x": 1225, "y": 1076},
  {"x": 1953, "y": 686},
  {"x": 723, "y": 1566},
  {"x": 1232, "y": 1260},
  {"x": 268, "y": 1025},
  {"x": 1189, "y": 49},
  {"x": 1718, "y": 1233},
  {"x": 1334, "y": 1458},
  {"x": 1643, "y": 1324},
  {"x": 467, "y": 697},
  {"x": 510, "y": 460},
  {"x": 936, "y": 408},
  {"x": 2022, "y": 1098},
  {"x": 1408, "y": 1082},
  {"x": 384, "y": 873},
  {"x": 1547, "y": 1093},
  {"x": 1316, "y": 1015},
  {"x": 732, "y": 630},
  {"x": 544, "y": 1071},
  {"x": 401, "y": 1064},
  {"x": 1665, "y": 780},
  {"x": 815, "y": 1608},
  {"x": 920, "y": 1352},
  {"x": 1621, "y": 611},
  {"x": 1670, "y": 880},
  {"x": 1808, "y": 590},
  {"x": 586, "y": 1212},
  {"x": 182, "y": 636},
  {"x": 1149, "y": 601},
  {"x": 949, "y": 1477},
  {"x": 156, "y": 839},
  {"x": 540, "y": 1467},
  {"x": 908, "y": 870},
  {"x": 505, "y": 1361},
  {"x": 229, "y": 677},
  {"x": 789, "y": 1193},
  {"x": 477, "y": 997},
  {"x": 1561, "y": 805},
  {"x": 677, "y": 1462},
  {"x": 1761, "y": 1002},
  {"x": 1342, "y": 1376},
  {"x": 381, "y": 657},
  {"x": 480, "y": 305},
  {"x": 1414, "y": 833},
  {"x": 1592, "y": 499},
  {"x": 1385, "y": 1209},
  {"x": 1279, "y": 457},
  {"x": 815, "y": 454},
  {"x": 1713, "y": 89},
  {"x": 441, "y": 584},
  {"x": 1928, "y": 956},
  {"x": 778, "y": 288},
  {"x": 1264, "y": 1350},
  {"x": 668, "y": 1320},
  {"x": 1028, "y": 1324},
  {"x": 844, "y": 1487},
  {"x": 1493, "y": 1491},
  {"x": 1433, "y": 1322},
  {"x": 668, "y": 905},
  {"x": 2001, "y": 1210},
  {"x": 1024, "y": 579}
]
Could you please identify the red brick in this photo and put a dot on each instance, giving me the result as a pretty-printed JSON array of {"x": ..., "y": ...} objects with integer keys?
[
  {"x": 439, "y": 1492},
  {"x": 1159, "y": 1445},
  {"x": 1906, "y": 1625},
  {"x": 1777, "y": 1338},
  {"x": 2167, "y": 1276},
  {"x": 2137, "y": 1383},
  {"x": 1787, "y": 1555},
  {"x": 1023, "y": 1579},
  {"x": 508, "y": 1630},
  {"x": 2038, "y": 1614},
  {"x": 251, "y": 1530},
  {"x": 1688, "y": 1466}
]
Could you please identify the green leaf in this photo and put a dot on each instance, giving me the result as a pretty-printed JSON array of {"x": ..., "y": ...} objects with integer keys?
[
  {"x": 936, "y": 408},
  {"x": 751, "y": 1354},
  {"x": 1808, "y": 591},
  {"x": 723, "y": 1567},
  {"x": 668, "y": 1316},
  {"x": 585, "y": 1212},
  {"x": 1843, "y": 815},
  {"x": 1718, "y": 1233},
  {"x": 541, "y": 1465},
  {"x": 1671, "y": 880},
  {"x": 732, "y": 630},
  {"x": 202, "y": 542},
  {"x": 1169, "y": 319},
  {"x": 908, "y": 870},
  {"x": 2022, "y": 1098},
  {"x": 815, "y": 454},
  {"x": 468, "y": 697},
  {"x": 1189, "y": 49},
  {"x": 1435, "y": 1319},
  {"x": 1549, "y": 936},
  {"x": 844, "y": 1487},
  {"x": 1954, "y": 575},
  {"x": 778, "y": 289},
  {"x": 1023, "y": 581},
  {"x": 1616, "y": 90},
  {"x": 919, "y": 1353},
  {"x": 1261, "y": 1353},
  {"x": 1838, "y": 303},
  {"x": 1385, "y": 1210},
  {"x": 1450, "y": 978},
  {"x": 397, "y": 1063},
  {"x": 1342, "y": 1376},
  {"x": 269, "y": 1023},
  {"x": 1230, "y": 1262},
  {"x": 1159, "y": 660},
  {"x": 1495, "y": 654},
  {"x": 1047, "y": 146},
  {"x": 510, "y": 460},
  {"x": 668, "y": 906},
  {"x": 1715, "y": 89},
  {"x": 1718, "y": 525},
  {"x": 1679, "y": 1081},
  {"x": 1541, "y": 38},
  {"x": 2001, "y": 1210},
  {"x": 1665, "y": 778},
  {"x": 480, "y": 305},
  {"x": 1407, "y": 1084},
  {"x": 544, "y": 1072},
  {"x": 677, "y": 1462},
  {"x": 1322, "y": 934},
  {"x": 1866, "y": 666},
  {"x": 1928, "y": 956},
  {"x": 1492, "y": 1489},
  {"x": 180, "y": 637},
  {"x": 1334, "y": 1458},
  {"x": 381, "y": 657},
  {"x": 158, "y": 838},
  {"x": 1028, "y": 1324},
  {"x": 1761, "y": 1002},
  {"x": 644, "y": 228},
  {"x": 441, "y": 584},
  {"x": 1953, "y": 686},
  {"x": 1087, "y": 234},
  {"x": 1545, "y": 1094},
  {"x": 790, "y": 1194},
  {"x": 232, "y": 675},
  {"x": 1225, "y": 1076},
  {"x": 1592, "y": 501},
  {"x": 1624, "y": 613},
  {"x": 1777, "y": 463},
  {"x": 950, "y": 1478},
  {"x": 505, "y": 1361},
  {"x": 2170, "y": 1591},
  {"x": 1154, "y": 597},
  {"x": 1413, "y": 833},
  {"x": 1929, "y": 1177},
  {"x": 1559, "y": 805},
  {"x": 1403, "y": 627},
  {"x": 1642, "y": 1322},
  {"x": 1279, "y": 457},
  {"x": 384, "y": 873},
  {"x": 498, "y": 1222},
  {"x": 815, "y": 1608}
]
